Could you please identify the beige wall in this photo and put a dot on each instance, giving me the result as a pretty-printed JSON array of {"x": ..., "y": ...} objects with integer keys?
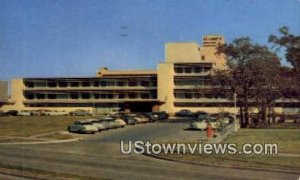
[
  {"x": 165, "y": 85},
  {"x": 181, "y": 52},
  {"x": 3, "y": 91}
]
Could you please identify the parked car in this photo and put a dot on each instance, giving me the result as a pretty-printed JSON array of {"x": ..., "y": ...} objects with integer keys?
[
  {"x": 80, "y": 112},
  {"x": 130, "y": 120},
  {"x": 39, "y": 112},
  {"x": 201, "y": 115},
  {"x": 56, "y": 113},
  {"x": 202, "y": 124},
  {"x": 143, "y": 118},
  {"x": 184, "y": 113},
  {"x": 82, "y": 126},
  {"x": 11, "y": 113},
  {"x": 161, "y": 115},
  {"x": 121, "y": 122},
  {"x": 24, "y": 113},
  {"x": 152, "y": 117},
  {"x": 96, "y": 122},
  {"x": 112, "y": 123},
  {"x": 224, "y": 118}
]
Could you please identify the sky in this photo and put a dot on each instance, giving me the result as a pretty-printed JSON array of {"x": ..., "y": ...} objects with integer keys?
[{"x": 74, "y": 38}]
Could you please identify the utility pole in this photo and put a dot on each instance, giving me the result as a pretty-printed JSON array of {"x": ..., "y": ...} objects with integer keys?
[{"x": 236, "y": 124}]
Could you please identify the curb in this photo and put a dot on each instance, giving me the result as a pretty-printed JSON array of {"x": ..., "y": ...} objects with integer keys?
[
  {"x": 221, "y": 166},
  {"x": 43, "y": 142}
]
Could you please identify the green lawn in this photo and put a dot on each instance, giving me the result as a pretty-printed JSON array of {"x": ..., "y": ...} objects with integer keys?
[
  {"x": 288, "y": 141},
  {"x": 25, "y": 126}
]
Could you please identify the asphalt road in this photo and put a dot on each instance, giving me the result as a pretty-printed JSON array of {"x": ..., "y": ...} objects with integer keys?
[{"x": 99, "y": 156}]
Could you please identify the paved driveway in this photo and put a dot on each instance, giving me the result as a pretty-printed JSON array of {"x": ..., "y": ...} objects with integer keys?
[{"x": 99, "y": 156}]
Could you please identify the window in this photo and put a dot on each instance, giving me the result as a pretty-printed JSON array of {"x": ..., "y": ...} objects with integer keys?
[
  {"x": 103, "y": 83},
  {"x": 188, "y": 96},
  {"x": 52, "y": 84},
  {"x": 96, "y": 96},
  {"x": 207, "y": 69},
  {"x": 29, "y": 84},
  {"x": 74, "y": 84},
  {"x": 145, "y": 83},
  {"x": 51, "y": 96},
  {"x": 121, "y": 96},
  {"x": 40, "y": 84},
  {"x": 40, "y": 96},
  {"x": 74, "y": 96},
  {"x": 178, "y": 70},
  {"x": 29, "y": 96},
  {"x": 109, "y": 96},
  {"x": 62, "y": 96},
  {"x": 132, "y": 83},
  {"x": 85, "y": 96},
  {"x": 132, "y": 96},
  {"x": 110, "y": 83},
  {"x": 145, "y": 96},
  {"x": 96, "y": 84},
  {"x": 85, "y": 84},
  {"x": 120, "y": 83},
  {"x": 188, "y": 70},
  {"x": 62, "y": 84},
  {"x": 198, "y": 70}
]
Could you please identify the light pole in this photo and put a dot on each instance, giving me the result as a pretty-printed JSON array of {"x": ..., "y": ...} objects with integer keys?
[{"x": 235, "y": 120}]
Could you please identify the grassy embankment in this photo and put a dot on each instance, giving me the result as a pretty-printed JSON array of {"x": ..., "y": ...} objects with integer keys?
[
  {"x": 288, "y": 141},
  {"x": 26, "y": 126}
]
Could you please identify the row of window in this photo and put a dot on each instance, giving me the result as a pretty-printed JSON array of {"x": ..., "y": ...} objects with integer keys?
[
  {"x": 72, "y": 105},
  {"x": 197, "y": 95},
  {"x": 90, "y": 96},
  {"x": 192, "y": 69},
  {"x": 194, "y": 83},
  {"x": 90, "y": 84}
]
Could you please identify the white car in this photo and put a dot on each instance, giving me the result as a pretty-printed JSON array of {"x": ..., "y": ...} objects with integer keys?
[
  {"x": 82, "y": 126},
  {"x": 56, "y": 113},
  {"x": 24, "y": 113},
  {"x": 138, "y": 119},
  {"x": 120, "y": 121},
  {"x": 96, "y": 122},
  {"x": 202, "y": 124}
]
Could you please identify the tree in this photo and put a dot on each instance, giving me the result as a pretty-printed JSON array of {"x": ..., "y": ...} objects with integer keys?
[
  {"x": 266, "y": 86},
  {"x": 249, "y": 74},
  {"x": 292, "y": 45}
]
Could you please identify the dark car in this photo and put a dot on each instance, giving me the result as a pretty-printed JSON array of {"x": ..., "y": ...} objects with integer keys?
[
  {"x": 160, "y": 115},
  {"x": 129, "y": 119},
  {"x": 201, "y": 115},
  {"x": 152, "y": 117},
  {"x": 11, "y": 113},
  {"x": 184, "y": 113}
]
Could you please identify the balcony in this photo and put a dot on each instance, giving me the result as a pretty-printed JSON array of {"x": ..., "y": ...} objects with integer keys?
[
  {"x": 93, "y": 88},
  {"x": 203, "y": 100},
  {"x": 32, "y": 101}
]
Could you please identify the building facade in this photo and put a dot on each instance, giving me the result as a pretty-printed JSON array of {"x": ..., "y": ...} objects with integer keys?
[
  {"x": 181, "y": 81},
  {"x": 3, "y": 93}
]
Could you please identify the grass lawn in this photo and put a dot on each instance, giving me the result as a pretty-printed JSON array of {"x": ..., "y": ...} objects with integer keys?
[
  {"x": 24, "y": 126},
  {"x": 288, "y": 141}
]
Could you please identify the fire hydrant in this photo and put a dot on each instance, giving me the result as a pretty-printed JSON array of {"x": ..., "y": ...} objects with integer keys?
[{"x": 209, "y": 131}]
